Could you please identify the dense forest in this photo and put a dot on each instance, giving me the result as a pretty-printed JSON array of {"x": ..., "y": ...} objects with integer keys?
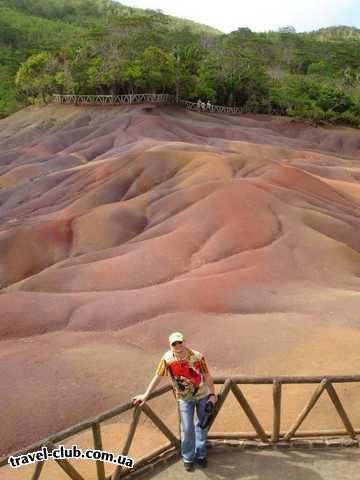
[{"x": 103, "y": 47}]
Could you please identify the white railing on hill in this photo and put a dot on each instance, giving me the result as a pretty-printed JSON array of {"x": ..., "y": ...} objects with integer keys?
[
  {"x": 157, "y": 98},
  {"x": 162, "y": 98}
]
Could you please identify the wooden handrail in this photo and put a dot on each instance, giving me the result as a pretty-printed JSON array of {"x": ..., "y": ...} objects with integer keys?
[
  {"x": 324, "y": 383},
  {"x": 80, "y": 427},
  {"x": 303, "y": 434},
  {"x": 289, "y": 380}
]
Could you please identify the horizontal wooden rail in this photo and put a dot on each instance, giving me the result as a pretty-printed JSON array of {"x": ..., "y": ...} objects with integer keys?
[
  {"x": 324, "y": 385},
  {"x": 304, "y": 434},
  {"x": 289, "y": 380}
]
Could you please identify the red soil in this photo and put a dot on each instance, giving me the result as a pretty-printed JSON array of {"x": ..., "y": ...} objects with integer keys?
[{"x": 119, "y": 226}]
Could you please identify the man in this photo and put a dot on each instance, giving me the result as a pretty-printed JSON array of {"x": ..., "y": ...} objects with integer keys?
[{"x": 192, "y": 383}]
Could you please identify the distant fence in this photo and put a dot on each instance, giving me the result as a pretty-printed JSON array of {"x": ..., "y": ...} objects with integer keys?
[
  {"x": 259, "y": 437},
  {"x": 161, "y": 98}
]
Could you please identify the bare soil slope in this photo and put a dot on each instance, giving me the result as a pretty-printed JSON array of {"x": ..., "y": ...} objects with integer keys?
[{"x": 119, "y": 225}]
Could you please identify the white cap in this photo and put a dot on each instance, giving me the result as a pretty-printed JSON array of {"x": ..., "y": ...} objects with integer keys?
[{"x": 176, "y": 337}]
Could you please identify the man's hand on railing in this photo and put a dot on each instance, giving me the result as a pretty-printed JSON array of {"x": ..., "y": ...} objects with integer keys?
[{"x": 139, "y": 399}]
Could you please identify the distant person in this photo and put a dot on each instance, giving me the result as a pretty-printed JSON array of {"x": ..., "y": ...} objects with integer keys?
[
  {"x": 203, "y": 106},
  {"x": 192, "y": 383},
  {"x": 208, "y": 105},
  {"x": 198, "y": 104}
]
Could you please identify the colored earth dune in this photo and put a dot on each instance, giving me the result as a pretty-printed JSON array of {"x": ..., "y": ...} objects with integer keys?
[{"x": 119, "y": 225}]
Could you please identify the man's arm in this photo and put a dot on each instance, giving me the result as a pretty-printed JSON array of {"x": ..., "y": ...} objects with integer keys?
[
  {"x": 210, "y": 381},
  {"x": 140, "y": 399}
]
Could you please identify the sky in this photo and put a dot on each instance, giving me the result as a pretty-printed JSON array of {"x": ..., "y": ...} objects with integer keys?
[{"x": 260, "y": 15}]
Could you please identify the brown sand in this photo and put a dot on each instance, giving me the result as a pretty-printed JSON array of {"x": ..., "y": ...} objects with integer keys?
[{"x": 119, "y": 226}]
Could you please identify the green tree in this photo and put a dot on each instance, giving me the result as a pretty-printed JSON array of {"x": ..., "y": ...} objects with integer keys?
[
  {"x": 322, "y": 68},
  {"x": 351, "y": 77},
  {"x": 157, "y": 70},
  {"x": 36, "y": 76},
  {"x": 205, "y": 84},
  {"x": 187, "y": 61}
]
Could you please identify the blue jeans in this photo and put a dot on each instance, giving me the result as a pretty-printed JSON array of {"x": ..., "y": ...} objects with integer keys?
[{"x": 193, "y": 437}]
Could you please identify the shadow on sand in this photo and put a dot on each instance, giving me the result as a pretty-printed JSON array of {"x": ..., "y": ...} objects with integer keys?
[{"x": 319, "y": 464}]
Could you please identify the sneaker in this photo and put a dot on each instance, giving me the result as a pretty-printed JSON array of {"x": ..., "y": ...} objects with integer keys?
[
  {"x": 189, "y": 466},
  {"x": 202, "y": 462}
]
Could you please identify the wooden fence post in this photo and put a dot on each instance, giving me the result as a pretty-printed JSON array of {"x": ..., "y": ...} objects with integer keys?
[
  {"x": 276, "y": 410},
  {"x": 98, "y": 446}
]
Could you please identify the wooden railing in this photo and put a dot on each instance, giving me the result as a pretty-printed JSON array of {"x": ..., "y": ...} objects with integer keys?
[
  {"x": 172, "y": 447},
  {"x": 161, "y": 98}
]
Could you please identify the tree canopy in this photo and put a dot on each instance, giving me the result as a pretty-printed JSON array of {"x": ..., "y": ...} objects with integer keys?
[{"x": 101, "y": 46}]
